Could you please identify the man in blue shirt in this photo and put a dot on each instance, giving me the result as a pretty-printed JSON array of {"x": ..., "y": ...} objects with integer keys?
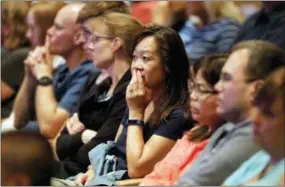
[{"x": 53, "y": 97}]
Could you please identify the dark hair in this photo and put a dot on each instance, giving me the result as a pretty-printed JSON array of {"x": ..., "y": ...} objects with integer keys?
[
  {"x": 174, "y": 58},
  {"x": 264, "y": 57},
  {"x": 14, "y": 15},
  {"x": 28, "y": 153},
  {"x": 96, "y": 8},
  {"x": 195, "y": 66},
  {"x": 273, "y": 87},
  {"x": 211, "y": 67}
]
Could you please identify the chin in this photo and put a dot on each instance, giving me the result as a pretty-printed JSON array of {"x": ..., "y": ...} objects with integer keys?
[{"x": 196, "y": 117}]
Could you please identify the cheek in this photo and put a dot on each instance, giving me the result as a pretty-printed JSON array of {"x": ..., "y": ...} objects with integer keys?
[{"x": 195, "y": 105}]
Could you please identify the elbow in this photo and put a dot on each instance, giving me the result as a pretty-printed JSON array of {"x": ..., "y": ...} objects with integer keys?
[
  {"x": 136, "y": 172},
  {"x": 48, "y": 133},
  {"x": 19, "y": 124},
  {"x": 50, "y": 129}
]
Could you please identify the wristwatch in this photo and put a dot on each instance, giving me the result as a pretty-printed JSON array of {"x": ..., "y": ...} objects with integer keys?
[
  {"x": 135, "y": 122},
  {"x": 45, "y": 81}
]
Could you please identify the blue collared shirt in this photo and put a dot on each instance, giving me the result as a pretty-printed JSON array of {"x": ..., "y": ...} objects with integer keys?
[{"x": 216, "y": 37}]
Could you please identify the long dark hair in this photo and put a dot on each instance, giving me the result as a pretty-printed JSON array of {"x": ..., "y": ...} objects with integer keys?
[
  {"x": 174, "y": 58},
  {"x": 211, "y": 66}
]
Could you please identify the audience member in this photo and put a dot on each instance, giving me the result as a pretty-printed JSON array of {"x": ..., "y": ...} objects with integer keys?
[
  {"x": 109, "y": 39},
  {"x": 14, "y": 50},
  {"x": 203, "y": 110},
  {"x": 142, "y": 10},
  {"x": 170, "y": 13},
  {"x": 13, "y": 26},
  {"x": 26, "y": 159},
  {"x": 246, "y": 68},
  {"x": 268, "y": 24},
  {"x": 266, "y": 168},
  {"x": 217, "y": 29},
  {"x": 58, "y": 92},
  {"x": 40, "y": 18},
  {"x": 35, "y": 33},
  {"x": 157, "y": 99}
]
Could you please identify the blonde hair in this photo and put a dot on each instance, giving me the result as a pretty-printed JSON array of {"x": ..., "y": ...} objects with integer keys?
[
  {"x": 223, "y": 9},
  {"x": 14, "y": 16},
  {"x": 44, "y": 13},
  {"x": 120, "y": 25}
]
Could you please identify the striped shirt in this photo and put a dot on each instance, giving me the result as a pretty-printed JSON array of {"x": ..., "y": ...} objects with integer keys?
[{"x": 215, "y": 37}]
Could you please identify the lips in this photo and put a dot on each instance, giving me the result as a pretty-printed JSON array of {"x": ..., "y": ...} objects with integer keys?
[{"x": 194, "y": 111}]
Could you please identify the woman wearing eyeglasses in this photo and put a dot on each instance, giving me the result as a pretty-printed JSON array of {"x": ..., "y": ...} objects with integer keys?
[
  {"x": 205, "y": 74},
  {"x": 157, "y": 99},
  {"x": 107, "y": 41}
]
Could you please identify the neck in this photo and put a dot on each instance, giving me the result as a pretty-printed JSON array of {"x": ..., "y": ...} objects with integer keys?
[
  {"x": 277, "y": 153},
  {"x": 118, "y": 69},
  {"x": 156, "y": 93},
  {"x": 236, "y": 117},
  {"x": 270, "y": 5},
  {"x": 75, "y": 58}
]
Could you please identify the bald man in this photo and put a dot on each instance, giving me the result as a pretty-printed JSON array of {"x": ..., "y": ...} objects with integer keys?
[
  {"x": 55, "y": 94},
  {"x": 26, "y": 160}
]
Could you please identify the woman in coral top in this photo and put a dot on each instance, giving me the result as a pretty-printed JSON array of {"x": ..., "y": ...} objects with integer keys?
[{"x": 206, "y": 74}]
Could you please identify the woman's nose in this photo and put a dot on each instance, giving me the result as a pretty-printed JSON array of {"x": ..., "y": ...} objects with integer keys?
[
  {"x": 193, "y": 95},
  {"x": 136, "y": 65}
]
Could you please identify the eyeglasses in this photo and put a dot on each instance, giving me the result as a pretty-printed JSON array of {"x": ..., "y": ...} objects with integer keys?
[
  {"x": 199, "y": 88},
  {"x": 93, "y": 38}
]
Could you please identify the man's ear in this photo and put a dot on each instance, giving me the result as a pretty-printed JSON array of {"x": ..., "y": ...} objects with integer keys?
[
  {"x": 256, "y": 85},
  {"x": 78, "y": 38},
  {"x": 117, "y": 44}
]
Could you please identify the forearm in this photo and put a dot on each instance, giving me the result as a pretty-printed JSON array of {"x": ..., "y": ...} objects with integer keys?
[
  {"x": 49, "y": 119},
  {"x": 135, "y": 144},
  {"x": 6, "y": 91},
  {"x": 24, "y": 102}
]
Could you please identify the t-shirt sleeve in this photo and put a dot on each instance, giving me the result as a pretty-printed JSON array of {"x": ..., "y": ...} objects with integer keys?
[
  {"x": 70, "y": 100},
  {"x": 174, "y": 126}
]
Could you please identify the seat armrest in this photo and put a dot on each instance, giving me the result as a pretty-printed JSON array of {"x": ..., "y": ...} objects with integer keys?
[{"x": 128, "y": 182}]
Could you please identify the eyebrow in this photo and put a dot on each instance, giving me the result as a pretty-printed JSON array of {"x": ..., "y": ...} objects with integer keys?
[{"x": 144, "y": 51}]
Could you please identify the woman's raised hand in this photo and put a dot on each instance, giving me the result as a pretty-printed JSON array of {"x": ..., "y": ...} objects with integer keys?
[{"x": 138, "y": 95}]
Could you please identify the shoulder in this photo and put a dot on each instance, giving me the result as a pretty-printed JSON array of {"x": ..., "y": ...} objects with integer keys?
[
  {"x": 229, "y": 23},
  {"x": 174, "y": 125},
  {"x": 251, "y": 20},
  {"x": 85, "y": 68}
]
